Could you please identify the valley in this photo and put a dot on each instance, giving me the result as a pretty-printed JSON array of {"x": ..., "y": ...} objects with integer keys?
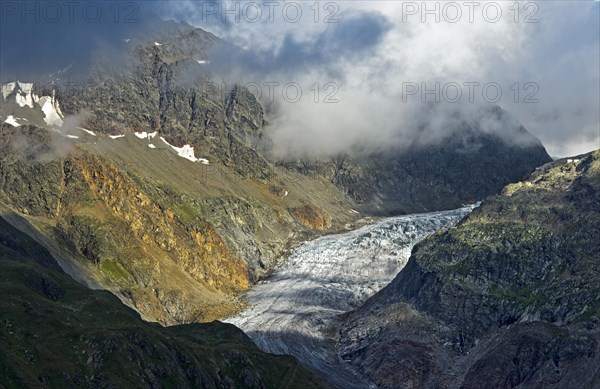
[
  {"x": 166, "y": 223},
  {"x": 294, "y": 311}
]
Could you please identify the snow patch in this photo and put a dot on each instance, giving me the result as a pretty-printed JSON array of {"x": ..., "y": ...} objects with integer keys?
[
  {"x": 11, "y": 120},
  {"x": 202, "y": 62},
  {"x": 145, "y": 135},
  {"x": 187, "y": 152},
  {"x": 151, "y": 146},
  {"x": 157, "y": 44},
  {"x": 7, "y": 89},
  {"x": 73, "y": 136},
  {"x": 23, "y": 96},
  {"x": 51, "y": 110},
  {"x": 116, "y": 136},
  {"x": 88, "y": 131}
]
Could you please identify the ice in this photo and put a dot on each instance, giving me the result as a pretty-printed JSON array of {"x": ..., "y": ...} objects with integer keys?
[
  {"x": 116, "y": 136},
  {"x": 291, "y": 312},
  {"x": 11, "y": 120},
  {"x": 88, "y": 131}
]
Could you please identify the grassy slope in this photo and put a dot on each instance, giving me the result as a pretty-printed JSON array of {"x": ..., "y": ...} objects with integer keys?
[{"x": 56, "y": 333}]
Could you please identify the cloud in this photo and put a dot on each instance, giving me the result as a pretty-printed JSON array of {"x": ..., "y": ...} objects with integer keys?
[{"x": 547, "y": 52}]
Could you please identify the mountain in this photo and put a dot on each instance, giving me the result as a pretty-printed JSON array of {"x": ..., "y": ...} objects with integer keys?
[
  {"x": 466, "y": 165},
  {"x": 57, "y": 333},
  {"x": 509, "y": 297},
  {"x": 161, "y": 189}
]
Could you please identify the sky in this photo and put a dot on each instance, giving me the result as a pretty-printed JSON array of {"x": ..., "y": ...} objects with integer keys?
[{"x": 340, "y": 75}]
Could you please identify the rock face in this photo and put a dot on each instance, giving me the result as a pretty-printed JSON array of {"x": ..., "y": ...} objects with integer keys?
[
  {"x": 509, "y": 297},
  {"x": 56, "y": 333},
  {"x": 465, "y": 166}
]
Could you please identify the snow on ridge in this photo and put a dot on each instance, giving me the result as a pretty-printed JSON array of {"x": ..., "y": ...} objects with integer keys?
[
  {"x": 116, "y": 136},
  {"x": 187, "y": 152},
  {"x": 11, "y": 120},
  {"x": 24, "y": 97}
]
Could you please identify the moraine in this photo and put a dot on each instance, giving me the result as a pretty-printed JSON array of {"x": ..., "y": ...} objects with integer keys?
[{"x": 293, "y": 311}]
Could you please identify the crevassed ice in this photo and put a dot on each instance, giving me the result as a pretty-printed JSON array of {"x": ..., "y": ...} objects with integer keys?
[{"x": 328, "y": 276}]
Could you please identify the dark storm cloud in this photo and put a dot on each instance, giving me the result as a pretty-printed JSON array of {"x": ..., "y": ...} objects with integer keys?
[{"x": 353, "y": 37}]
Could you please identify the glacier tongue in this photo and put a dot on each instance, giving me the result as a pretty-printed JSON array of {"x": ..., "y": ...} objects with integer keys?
[{"x": 290, "y": 312}]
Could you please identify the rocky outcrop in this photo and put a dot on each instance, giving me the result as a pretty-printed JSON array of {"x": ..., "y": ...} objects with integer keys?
[{"x": 509, "y": 297}]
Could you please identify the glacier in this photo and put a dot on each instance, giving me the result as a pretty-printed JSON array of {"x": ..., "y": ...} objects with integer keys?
[{"x": 294, "y": 310}]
